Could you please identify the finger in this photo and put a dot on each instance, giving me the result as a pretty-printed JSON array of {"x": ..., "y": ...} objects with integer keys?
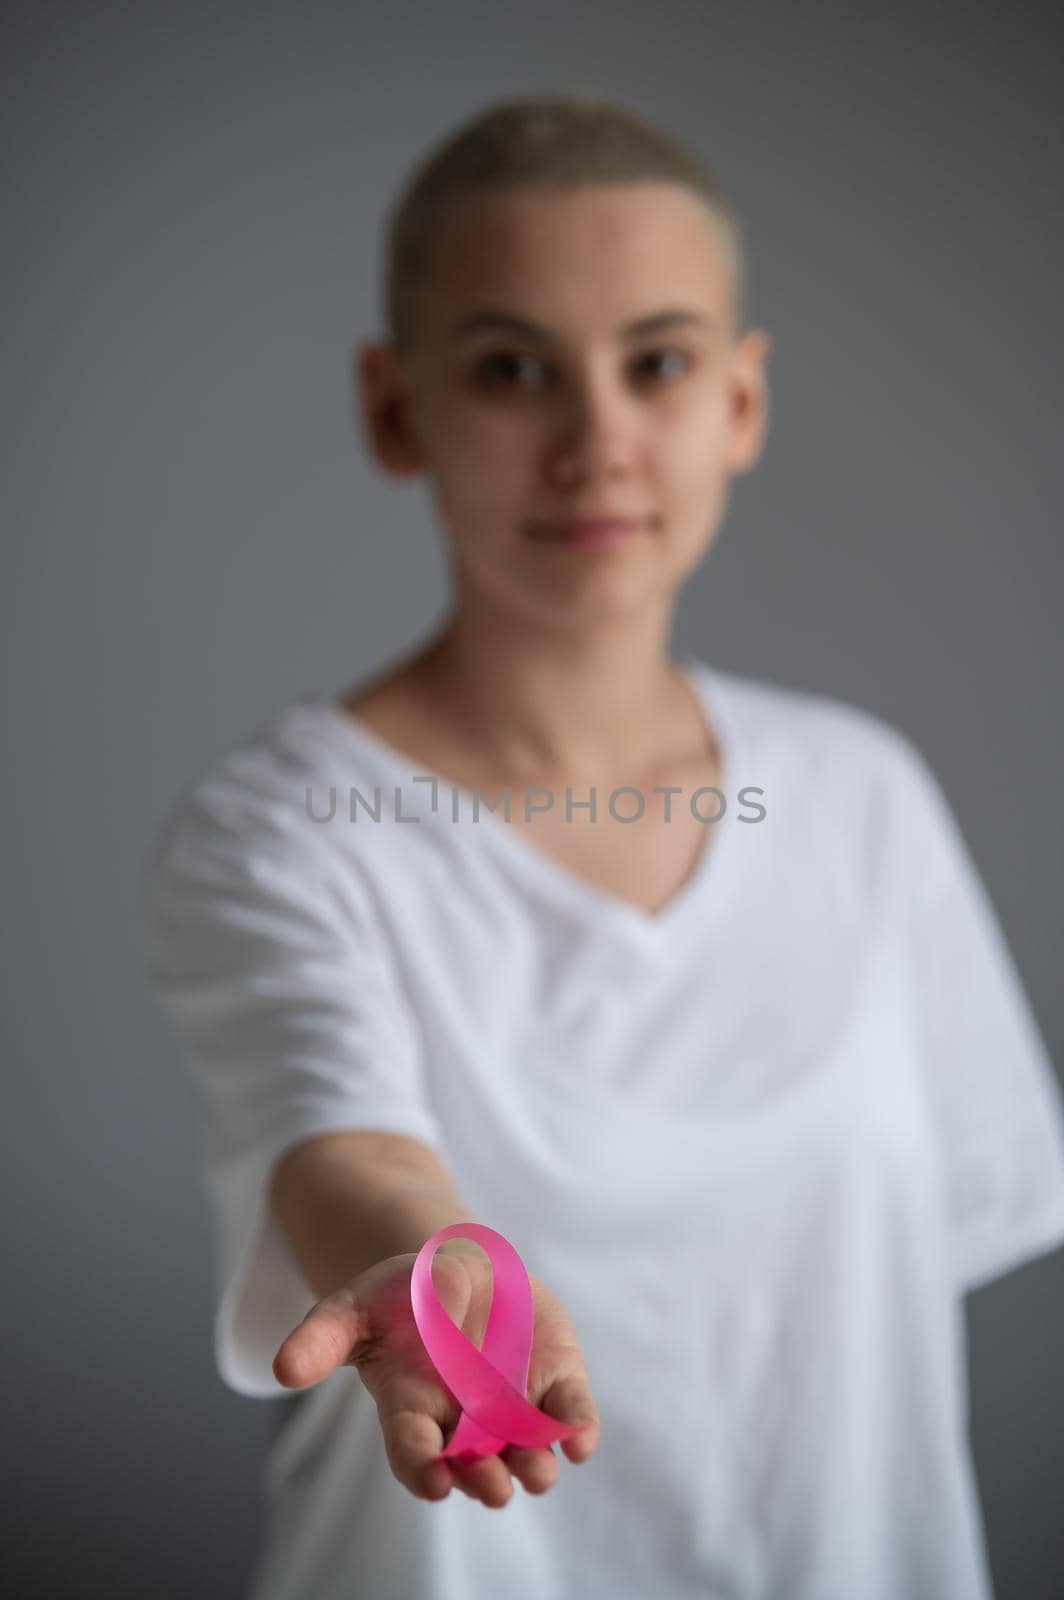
[
  {"x": 535, "y": 1470},
  {"x": 570, "y": 1400},
  {"x": 335, "y": 1330},
  {"x": 486, "y": 1478},
  {"x": 412, "y": 1443}
]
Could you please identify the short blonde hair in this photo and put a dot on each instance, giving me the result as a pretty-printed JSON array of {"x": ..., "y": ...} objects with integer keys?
[{"x": 557, "y": 140}]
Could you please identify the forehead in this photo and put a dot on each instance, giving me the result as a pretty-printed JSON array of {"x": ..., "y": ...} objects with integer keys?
[{"x": 578, "y": 260}]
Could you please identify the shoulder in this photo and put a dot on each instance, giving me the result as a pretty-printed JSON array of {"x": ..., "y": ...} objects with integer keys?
[
  {"x": 255, "y": 799},
  {"x": 855, "y": 800},
  {"x": 845, "y": 775},
  {"x": 818, "y": 734}
]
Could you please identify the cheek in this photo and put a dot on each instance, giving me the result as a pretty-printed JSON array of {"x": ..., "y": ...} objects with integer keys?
[
  {"x": 484, "y": 461},
  {"x": 692, "y": 450}
]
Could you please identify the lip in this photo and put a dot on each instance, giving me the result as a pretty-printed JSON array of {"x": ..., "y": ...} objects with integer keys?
[{"x": 589, "y": 530}]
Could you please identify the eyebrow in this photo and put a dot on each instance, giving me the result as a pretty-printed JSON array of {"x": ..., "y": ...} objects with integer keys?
[{"x": 507, "y": 322}]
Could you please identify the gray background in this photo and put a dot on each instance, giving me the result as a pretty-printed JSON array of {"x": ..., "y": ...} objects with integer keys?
[{"x": 193, "y": 535}]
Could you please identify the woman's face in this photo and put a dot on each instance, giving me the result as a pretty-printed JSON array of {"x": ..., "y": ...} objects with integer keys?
[{"x": 540, "y": 390}]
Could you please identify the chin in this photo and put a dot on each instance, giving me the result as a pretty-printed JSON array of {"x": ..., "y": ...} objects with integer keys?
[
  {"x": 576, "y": 593},
  {"x": 594, "y": 604}
]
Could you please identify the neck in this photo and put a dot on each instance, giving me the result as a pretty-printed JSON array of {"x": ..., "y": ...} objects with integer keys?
[{"x": 536, "y": 704}]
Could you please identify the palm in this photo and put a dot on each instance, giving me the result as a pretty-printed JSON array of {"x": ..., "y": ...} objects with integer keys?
[{"x": 370, "y": 1324}]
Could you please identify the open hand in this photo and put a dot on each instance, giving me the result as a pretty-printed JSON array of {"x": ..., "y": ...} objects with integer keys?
[{"x": 369, "y": 1324}]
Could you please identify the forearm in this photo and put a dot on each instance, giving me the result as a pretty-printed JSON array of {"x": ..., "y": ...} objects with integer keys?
[{"x": 342, "y": 1215}]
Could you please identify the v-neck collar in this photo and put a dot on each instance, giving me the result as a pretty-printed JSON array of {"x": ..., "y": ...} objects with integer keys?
[{"x": 649, "y": 928}]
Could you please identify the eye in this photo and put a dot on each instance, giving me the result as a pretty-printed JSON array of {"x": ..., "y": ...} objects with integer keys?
[
  {"x": 499, "y": 369},
  {"x": 679, "y": 360}
]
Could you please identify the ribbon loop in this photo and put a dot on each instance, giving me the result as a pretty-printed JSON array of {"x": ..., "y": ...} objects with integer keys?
[{"x": 489, "y": 1384}]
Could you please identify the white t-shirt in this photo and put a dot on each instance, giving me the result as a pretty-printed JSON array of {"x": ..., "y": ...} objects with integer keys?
[{"x": 759, "y": 1145}]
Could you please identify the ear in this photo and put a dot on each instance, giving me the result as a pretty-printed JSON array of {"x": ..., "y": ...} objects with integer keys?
[
  {"x": 748, "y": 400},
  {"x": 384, "y": 408}
]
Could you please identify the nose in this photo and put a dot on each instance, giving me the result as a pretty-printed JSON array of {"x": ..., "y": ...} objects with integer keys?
[{"x": 594, "y": 440}]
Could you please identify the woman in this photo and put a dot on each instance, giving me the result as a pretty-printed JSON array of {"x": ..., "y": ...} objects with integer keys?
[{"x": 713, "y": 1021}]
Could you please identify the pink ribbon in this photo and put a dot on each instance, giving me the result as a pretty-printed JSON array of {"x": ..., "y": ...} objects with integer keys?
[{"x": 489, "y": 1384}]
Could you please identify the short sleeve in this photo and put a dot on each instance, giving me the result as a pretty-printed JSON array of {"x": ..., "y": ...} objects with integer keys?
[
  {"x": 266, "y": 956},
  {"x": 994, "y": 1096}
]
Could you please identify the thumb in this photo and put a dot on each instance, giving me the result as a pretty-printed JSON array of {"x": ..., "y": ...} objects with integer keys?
[
  {"x": 569, "y": 1399},
  {"x": 335, "y": 1331}
]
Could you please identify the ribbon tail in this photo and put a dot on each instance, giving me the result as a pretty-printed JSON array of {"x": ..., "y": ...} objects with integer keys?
[{"x": 470, "y": 1439}]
